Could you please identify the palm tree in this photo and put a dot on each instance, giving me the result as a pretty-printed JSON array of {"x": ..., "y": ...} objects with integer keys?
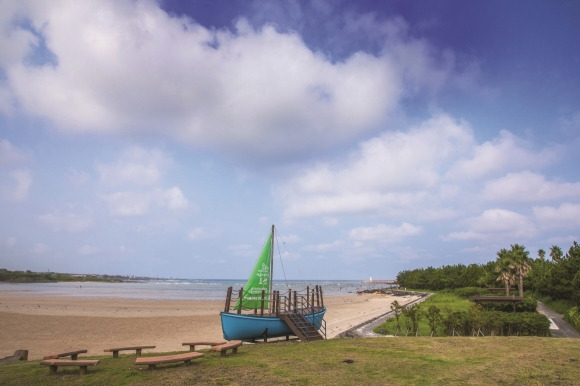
[
  {"x": 541, "y": 254},
  {"x": 556, "y": 253},
  {"x": 520, "y": 263},
  {"x": 503, "y": 267}
]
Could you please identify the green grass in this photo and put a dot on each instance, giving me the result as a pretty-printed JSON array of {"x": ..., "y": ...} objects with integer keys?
[{"x": 417, "y": 361}]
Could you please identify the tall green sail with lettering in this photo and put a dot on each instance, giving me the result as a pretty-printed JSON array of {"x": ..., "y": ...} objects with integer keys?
[{"x": 259, "y": 280}]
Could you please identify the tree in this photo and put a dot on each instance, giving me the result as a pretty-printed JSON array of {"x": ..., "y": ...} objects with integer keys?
[
  {"x": 556, "y": 253},
  {"x": 541, "y": 254},
  {"x": 434, "y": 317},
  {"x": 397, "y": 309},
  {"x": 503, "y": 267},
  {"x": 520, "y": 264}
]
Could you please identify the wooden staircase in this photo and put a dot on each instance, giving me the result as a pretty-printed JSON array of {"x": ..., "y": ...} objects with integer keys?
[{"x": 303, "y": 329}]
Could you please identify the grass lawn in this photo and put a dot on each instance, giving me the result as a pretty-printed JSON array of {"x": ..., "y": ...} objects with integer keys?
[{"x": 370, "y": 361}]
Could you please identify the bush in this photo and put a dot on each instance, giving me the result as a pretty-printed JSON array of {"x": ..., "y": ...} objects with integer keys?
[
  {"x": 497, "y": 323},
  {"x": 526, "y": 305},
  {"x": 573, "y": 317},
  {"x": 467, "y": 292}
]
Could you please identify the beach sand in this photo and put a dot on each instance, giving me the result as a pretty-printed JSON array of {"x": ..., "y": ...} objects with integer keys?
[{"x": 45, "y": 324}]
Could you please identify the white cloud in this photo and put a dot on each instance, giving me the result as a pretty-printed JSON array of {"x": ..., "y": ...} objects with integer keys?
[
  {"x": 198, "y": 233},
  {"x": 528, "y": 187},
  {"x": 40, "y": 248},
  {"x": 131, "y": 68},
  {"x": 325, "y": 247},
  {"x": 136, "y": 166},
  {"x": 16, "y": 184},
  {"x": 10, "y": 155},
  {"x": 173, "y": 199},
  {"x": 73, "y": 221},
  {"x": 15, "y": 178},
  {"x": 128, "y": 204},
  {"x": 391, "y": 173},
  {"x": 566, "y": 216},
  {"x": 11, "y": 242},
  {"x": 504, "y": 153},
  {"x": 87, "y": 250},
  {"x": 495, "y": 224},
  {"x": 76, "y": 177},
  {"x": 384, "y": 233}
]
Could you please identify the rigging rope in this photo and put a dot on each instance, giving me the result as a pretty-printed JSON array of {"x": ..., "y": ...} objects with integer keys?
[{"x": 277, "y": 236}]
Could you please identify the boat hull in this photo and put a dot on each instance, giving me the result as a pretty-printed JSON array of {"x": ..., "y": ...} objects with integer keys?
[{"x": 249, "y": 327}]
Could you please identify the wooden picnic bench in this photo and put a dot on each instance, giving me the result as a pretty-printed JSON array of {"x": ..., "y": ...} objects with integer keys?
[
  {"x": 73, "y": 355},
  {"x": 153, "y": 361},
  {"x": 83, "y": 364},
  {"x": 137, "y": 349},
  {"x": 202, "y": 343},
  {"x": 233, "y": 345}
]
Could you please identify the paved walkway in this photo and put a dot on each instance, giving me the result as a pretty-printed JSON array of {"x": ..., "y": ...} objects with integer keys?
[{"x": 559, "y": 327}]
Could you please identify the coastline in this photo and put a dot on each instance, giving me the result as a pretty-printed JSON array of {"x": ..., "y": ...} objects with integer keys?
[{"x": 45, "y": 324}]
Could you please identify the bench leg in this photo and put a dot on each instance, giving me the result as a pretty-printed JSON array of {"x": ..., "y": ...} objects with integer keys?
[
  {"x": 151, "y": 367},
  {"x": 223, "y": 353},
  {"x": 115, "y": 354},
  {"x": 235, "y": 350},
  {"x": 74, "y": 357},
  {"x": 138, "y": 352},
  {"x": 187, "y": 362},
  {"x": 53, "y": 369},
  {"x": 191, "y": 347},
  {"x": 83, "y": 370}
]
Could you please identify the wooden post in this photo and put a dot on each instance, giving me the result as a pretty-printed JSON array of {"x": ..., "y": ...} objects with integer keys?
[
  {"x": 317, "y": 295},
  {"x": 240, "y": 300},
  {"x": 277, "y": 305},
  {"x": 321, "y": 298},
  {"x": 289, "y": 300},
  {"x": 262, "y": 303},
  {"x": 295, "y": 300},
  {"x": 312, "y": 302},
  {"x": 228, "y": 300}
]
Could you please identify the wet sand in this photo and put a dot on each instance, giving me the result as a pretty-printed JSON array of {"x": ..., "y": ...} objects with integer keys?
[{"x": 49, "y": 324}]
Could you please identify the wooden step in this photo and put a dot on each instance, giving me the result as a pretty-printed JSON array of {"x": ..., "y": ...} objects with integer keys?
[{"x": 301, "y": 327}]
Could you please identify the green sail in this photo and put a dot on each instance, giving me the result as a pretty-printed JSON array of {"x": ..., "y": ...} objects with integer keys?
[{"x": 258, "y": 281}]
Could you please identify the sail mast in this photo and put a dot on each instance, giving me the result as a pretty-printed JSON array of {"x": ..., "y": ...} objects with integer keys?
[{"x": 271, "y": 259}]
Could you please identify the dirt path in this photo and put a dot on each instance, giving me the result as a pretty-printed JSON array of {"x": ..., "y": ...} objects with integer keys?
[{"x": 559, "y": 327}]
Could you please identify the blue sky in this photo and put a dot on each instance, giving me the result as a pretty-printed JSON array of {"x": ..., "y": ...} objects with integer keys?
[{"x": 163, "y": 138}]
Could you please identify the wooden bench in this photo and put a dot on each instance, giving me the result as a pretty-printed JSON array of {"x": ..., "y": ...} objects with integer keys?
[
  {"x": 202, "y": 343},
  {"x": 233, "y": 345},
  {"x": 83, "y": 364},
  {"x": 73, "y": 355},
  {"x": 153, "y": 361},
  {"x": 137, "y": 349}
]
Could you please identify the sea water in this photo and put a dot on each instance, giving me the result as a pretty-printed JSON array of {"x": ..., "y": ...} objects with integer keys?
[{"x": 176, "y": 288}]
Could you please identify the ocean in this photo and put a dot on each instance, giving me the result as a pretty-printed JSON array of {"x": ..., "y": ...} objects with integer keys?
[{"x": 177, "y": 289}]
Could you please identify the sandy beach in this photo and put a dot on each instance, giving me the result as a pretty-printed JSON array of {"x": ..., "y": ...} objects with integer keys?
[{"x": 45, "y": 324}]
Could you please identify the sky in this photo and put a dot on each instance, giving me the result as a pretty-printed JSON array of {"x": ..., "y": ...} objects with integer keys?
[{"x": 163, "y": 138}]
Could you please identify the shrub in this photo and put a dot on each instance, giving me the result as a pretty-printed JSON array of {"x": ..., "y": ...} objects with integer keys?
[
  {"x": 573, "y": 317},
  {"x": 467, "y": 292},
  {"x": 528, "y": 304}
]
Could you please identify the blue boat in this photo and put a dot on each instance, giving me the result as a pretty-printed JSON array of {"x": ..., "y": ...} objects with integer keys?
[{"x": 256, "y": 312}]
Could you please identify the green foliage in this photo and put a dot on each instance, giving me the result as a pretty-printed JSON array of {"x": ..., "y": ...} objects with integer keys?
[
  {"x": 48, "y": 277},
  {"x": 434, "y": 318},
  {"x": 468, "y": 292},
  {"x": 556, "y": 278},
  {"x": 573, "y": 317},
  {"x": 448, "y": 314},
  {"x": 528, "y": 304}
]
